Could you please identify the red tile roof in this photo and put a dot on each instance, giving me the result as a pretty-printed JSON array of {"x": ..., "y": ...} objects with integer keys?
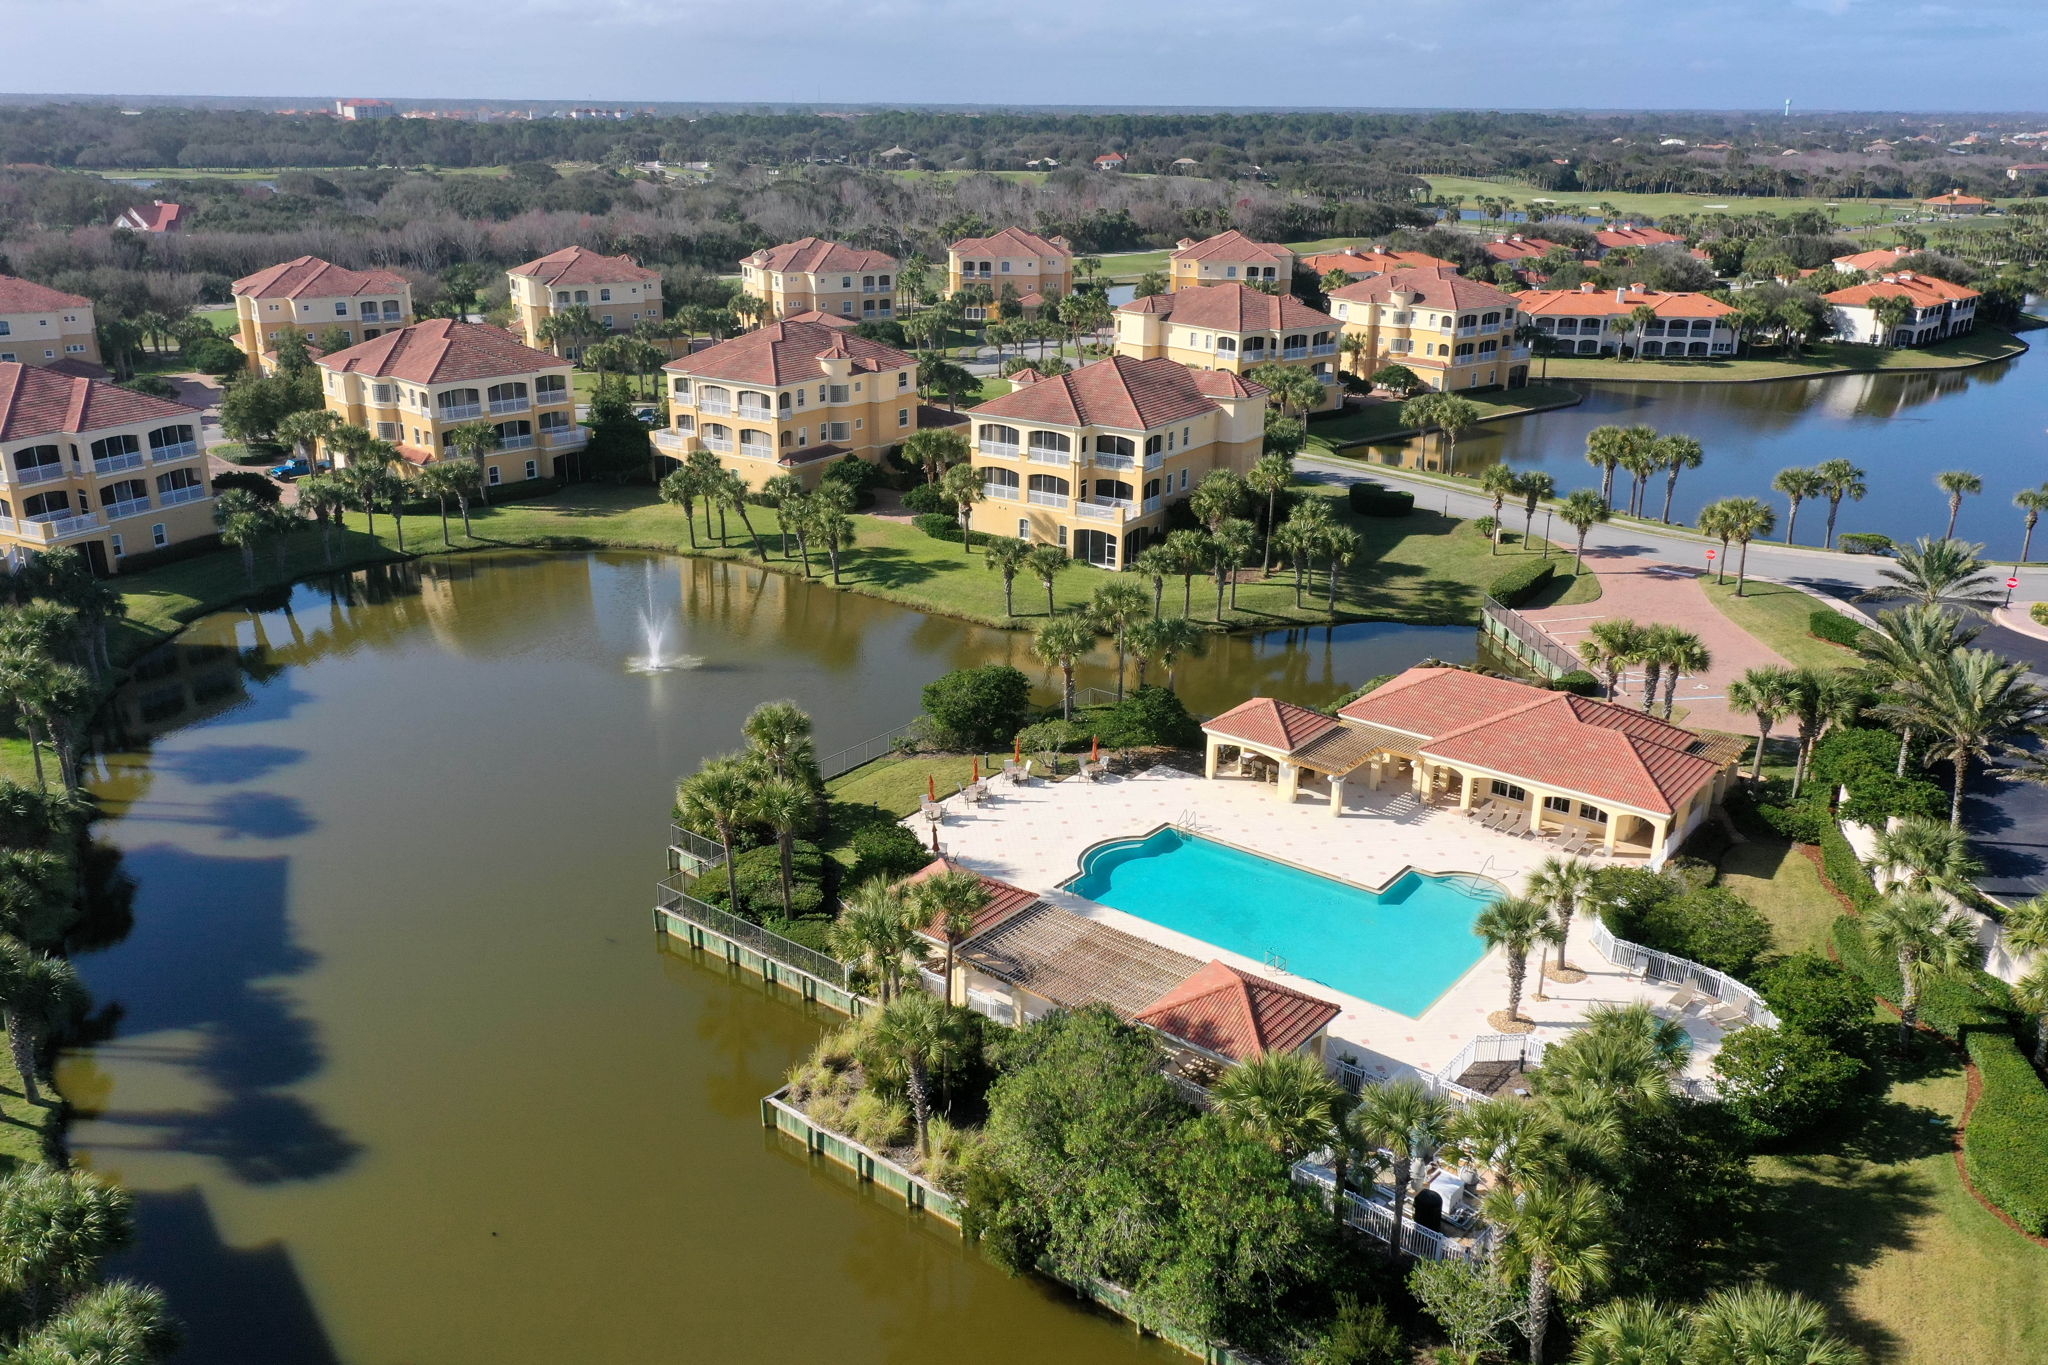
[
  {"x": 1444, "y": 289},
  {"x": 787, "y": 352},
  {"x": 1548, "y": 739},
  {"x": 1956, "y": 198},
  {"x": 1224, "y": 384},
  {"x": 38, "y": 401},
  {"x": 1924, "y": 291},
  {"x": 1360, "y": 261},
  {"x": 1881, "y": 259},
  {"x": 1232, "y": 307},
  {"x": 828, "y": 319},
  {"x": 1278, "y": 725},
  {"x": 810, "y": 255},
  {"x": 1237, "y": 1015},
  {"x": 578, "y": 265},
  {"x": 309, "y": 277},
  {"x": 1230, "y": 246},
  {"x": 1614, "y": 302},
  {"x": 1630, "y": 235},
  {"x": 441, "y": 349},
  {"x": 1014, "y": 241},
  {"x": 157, "y": 217},
  {"x": 1136, "y": 395},
  {"x": 1515, "y": 248},
  {"x": 25, "y": 296},
  {"x": 1004, "y": 900}
]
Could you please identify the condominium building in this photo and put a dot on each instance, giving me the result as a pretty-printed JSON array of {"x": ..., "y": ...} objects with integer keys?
[
  {"x": 41, "y": 326},
  {"x": 1014, "y": 264},
  {"x": 1232, "y": 327},
  {"x": 828, "y": 277},
  {"x": 1629, "y": 234},
  {"x": 1935, "y": 310},
  {"x": 1873, "y": 262},
  {"x": 1228, "y": 258},
  {"x": 1454, "y": 333},
  {"x": 619, "y": 293},
  {"x": 1362, "y": 263},
  {"x": 1089, "y": 460},
  {"x": 86, "y": 464},
  {"x": 792, "y": 397},
  {"x": 313, "y": 297},
  {"x": 414, "y": 385},
  {"x": 1689, "y": 325}
]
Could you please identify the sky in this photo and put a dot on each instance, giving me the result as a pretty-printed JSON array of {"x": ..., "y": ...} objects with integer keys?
[{"x": 1975, "y": 55}]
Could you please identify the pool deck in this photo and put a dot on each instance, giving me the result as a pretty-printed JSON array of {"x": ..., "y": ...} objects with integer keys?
[{"x": 1033, "y": 836}]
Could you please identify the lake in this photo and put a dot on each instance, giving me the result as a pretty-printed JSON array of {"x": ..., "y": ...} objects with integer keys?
[{"x": 391, "y": 1057}]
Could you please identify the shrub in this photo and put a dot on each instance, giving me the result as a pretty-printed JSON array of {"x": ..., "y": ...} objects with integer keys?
[
  {"x": 258, "y": 486},
  {"x": 1371, "y": 500},
  {"x": 1148, "y": 716},
  {"x": 155, "y": 385},
  {"x": 858, "y": 477},
  {"x": 938, "y": 525},
  {"x": 1052, "y": 737},
  {"x": 759, "y": 874},
  {"x": 1953, "y": 1005},
  {"x": 2003, "y": 1148},
  {"x": 1816, "y": 996},
  {"x": 1803, "y": 822},
  {"x": 926, "y": 497},
  {"x": 1779, "y": 1082},
  {"x": 889, "y": 851},
  {"x": 1370, "y": 685},
  {"x": 1517, "y": 584},
  {"x": 1864, "y": 543},
  {"x": 983, "y": 706},
  {"x": 2039, "y": 611},
  {"x": 1840, "y": 864},
  {"x": 1578, "y": 681},
  {"x": 1712, "y": 926},
  {"x": 1829, "y": 624},
  {"x": 873, "y": 1121}
]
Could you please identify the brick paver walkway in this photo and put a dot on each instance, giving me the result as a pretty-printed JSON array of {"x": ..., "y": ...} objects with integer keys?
[{"x": 1649, "y": 592}]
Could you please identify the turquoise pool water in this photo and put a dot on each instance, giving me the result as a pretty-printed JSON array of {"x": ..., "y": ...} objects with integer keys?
[{"x": 1400, "y": 948}]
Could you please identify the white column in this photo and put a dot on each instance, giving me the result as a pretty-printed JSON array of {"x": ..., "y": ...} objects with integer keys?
[
  {"x": 1290, "y": 781},
  {"x": 1613, "y": 828},
  {"x": 1209, "y": 748},
  {"x": 1336, "y": 795},
  {"x": 1660, "y": 835},
  {"x": 1536, "y": 810},
  {"x": 1466, "y": 783}
]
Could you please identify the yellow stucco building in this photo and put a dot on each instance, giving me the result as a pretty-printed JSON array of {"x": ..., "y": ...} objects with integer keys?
[
  {"x": 415, "y": 385},
  {"x": 1454, "y": 333},
  {"x": 1234, "y": 328},
  {"x": 814, "y": 275},
  {"x": 311, "y": 296},
  {"x": 86, "y": 464},
  {"x": 41, "y": 326},
  {"x": 1228, "y": 258},
  {"x": 1039, "y": 270},
  {"x": 1089, "y": 460},
  {"x": 619, "y": 293}
]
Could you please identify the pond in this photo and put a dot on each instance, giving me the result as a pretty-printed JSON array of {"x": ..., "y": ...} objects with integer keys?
[
  {"x": 390, "y": 1056},
  {"x": 1901, "y": 428}
]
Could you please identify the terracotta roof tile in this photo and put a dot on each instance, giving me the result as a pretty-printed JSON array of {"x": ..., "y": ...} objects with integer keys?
[
  {"x": 1270, "y": 724},
  {"x": 787, "y": 352},
  {"x": 828, "y": 319},
  {"x": 1232, "y": 307},
  {"x": 1231, "y": 246},
  {"x": 1004, "y": 900},
  {"x": 1360, "y": 261},
  {"x": 1882, "y": 259},
  {"x": 1135, "y": 395},
  {"x": 25, "y": 296},
  {"x": 1924, "y": 291},
  {"x": 1427, "y": 702},
  {"x": 36, "y": 401},
  {"x": 1516, "y": 248},
  {"x": 1605, "y": 303},
  {"x": 1237, "y": 1015},
  {"x": 1631, "y": 235},
  {"x": 809, "y": 255},
  {"x": 309, "y": 277},
  {"x": 1014, "y": 241},
  {"x": 441, "y": 349},
  {"x": 1955, "y": 198},
  {"x": 1436, "y": 288},
  {"x": 579, "y": 265}
]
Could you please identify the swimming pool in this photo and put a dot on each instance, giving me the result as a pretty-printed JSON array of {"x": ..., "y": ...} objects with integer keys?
[{"x": 1400, "y": 948}]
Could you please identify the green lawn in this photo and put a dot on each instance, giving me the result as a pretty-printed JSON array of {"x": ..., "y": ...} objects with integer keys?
[
  {"x": 1784, "y": 884},
  {"x": 1777, "y": 615},
  {"x": 16, "y": 763},
  {"x": 1381, "y": 421},
  {"x": 1825, "y": 357},
  {"x": 1849, "y": 212}
]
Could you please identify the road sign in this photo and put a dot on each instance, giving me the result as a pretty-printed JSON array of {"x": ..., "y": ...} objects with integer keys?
[
  {"x": 1710, "y": 554},
  {"x": 2012, "y": 583}
]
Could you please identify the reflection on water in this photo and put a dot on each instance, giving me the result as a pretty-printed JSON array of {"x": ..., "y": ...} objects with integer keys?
[
  {"x": 1902, "y": 428},
  {"x": 385, "y": 1048}
]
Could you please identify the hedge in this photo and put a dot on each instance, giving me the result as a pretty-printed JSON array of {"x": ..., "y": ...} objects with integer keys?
[
  {"x": 1517, "y": 585},
  {"x": 1578, "y": 681},
  {"x": 1831, "y": 625},
  {"x": 1864, "y": 543},
  {"x": 1371, "y": 500},
  {"x": 760, "y": 878},
  {"x": 1957, "y": 1006},
  {"x": 2005, "y": 1147},
  {"x": 1843, "y": 868}
]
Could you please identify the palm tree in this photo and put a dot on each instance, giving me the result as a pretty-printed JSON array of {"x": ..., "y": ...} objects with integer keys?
[
  {"x": 781, "y": 737},
  {"x": 1515, "y": 924},
  {"x": 1918, "y": 930},
  {"x": 1060, "y": 643},
  {"x": 1157, "y": 563},
  {"x": 679, "y": 488},
  {"x": 1972, "y": 706},
  {"x": 1268, "y": 476},
  {"x": 239, "y": 517},
  {"x": 2030, "y": 501},
  {"x": 785, "y": 807},
  {"x": 1633, "y": 1332},
  {"x": 1797, "y": 484},
  {"x": 1006, "y": 556},
  {"x": 1938, "y": 571},
  {"x": 38, "y": 994},
  {"x": 1410, "y": 1121},
  {"x": 1958, "y": 484},
  {"x": 326, "y": 497},
  {"x": 120, "y": 1323},
  {"x": 1743, "y": 520},
  {"x": 1188, "y": 549},
  {"x": 304, "y": 431},
  {"x": 1900, "y": 651},
  {"x": 1759, "y": 1325},
  {"x": 472, "y": 441},
  {"x": 719, "y": 795},
  {"x": 1181, "y": 637},
  {"x": 465, "y": 480},
  {"x": 1563, "y": 885},
  {"x": 1640, "y": 460},
  {"x": 1839, "y": 479},
  {"x": 1534, "y": 487},
  {"x": 1499, "y": 482},
  {"x": 1682, "y": 654},
  {"x": 1116, "y": 606},
  {"x": 1219, "y": 497},
  {"x": 1763, "y": 692},
  {"x": 875, "y": 933},
  {"x": 1817, "y": 697},
  {"x": 949, "y": 901},
  {"x": 2030, "y": 993},
  {"x": 1605, "y": 445},
  {"x": 1552, "y": 1230},
  {"x": 1510, "y": 1135},
  {"x": 432, "y": 481},
  {"x": 1230, "y": 548},
  {"x": 1284, "y": 1100},
  {"x": 1610, "y": 647},
  {"x": 56, "y": 1227},
  {"x": 1675, "y": 455},
  {"x": 1295, "y": 391},
  {"x": 1447, "y": 413},
  {"x": 1916, "y": 854},
  {"x": 1582, "y": 510},
  {"x": 1341, "y": 544},
  {"x": 963, "y": 484},
  {"x": 1045, "y": 563},
  {"x": 918, "y": 1034}
]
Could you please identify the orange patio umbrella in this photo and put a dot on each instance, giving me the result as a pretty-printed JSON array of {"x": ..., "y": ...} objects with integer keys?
[
  {"x": 977, "y": 769},
  {"x": 1017, "y": 749},
  {"x": 1094, "y": 748},
  {"x": 931, "y": 788}
]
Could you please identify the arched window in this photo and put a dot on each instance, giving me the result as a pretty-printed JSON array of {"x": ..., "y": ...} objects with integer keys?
[
  {"x": 1155, "y": 444},
  {"x": 1112, "y": 490},
  {"x": 1297, "y": 341},
  {"x": 1049, "y": 490},
  {"x": 1469, "y": 320},
  {"x": 169, "y": 442},
  {"x": 1115, "y": 445},
  {"x": 1226, "y": 343},
  {"x": 38, "y": 460},
  {"x": 457, "y": 404},
  {"x": 1489, "y": 319},
  {"x": 500, "y": 392},
  {"x": 1001, "y": 483},
  {"x": 45, "y": 506},
  {"x": 713, "y": 398},
  {"x": 754, "y": 404},
  {"x": 126, "y": 491},
  {"x": 514, "y": 435},
  {"x": 1050, "y": 443},
  {"x": 997, "y": 439},
  {"x": 755, "y": 443},
  {"x": 114, "y": 447},
  {"x": 717, "y": 436}
]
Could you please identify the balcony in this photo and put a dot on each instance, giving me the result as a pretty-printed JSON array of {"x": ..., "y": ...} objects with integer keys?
[
  {"x": 133, "y": 507},
  {"x": 181, "y": 450},
  {"x": 545, "y": 397},
  {"x": 460, "y": 412},
  {"x": 721, "y": 444},
  {"x": 999, "y": 450},
  {"x": 1103, "y": 461},
  {"x": 1327, "y": 348},
  {"x": 502, "y": 406},
  {"x": 757, "y": 413},
  {"x": 575, "y": 438},
  {"x": 675, "y": 444},
  {"x": 1059, "y": 458},
  {"x": 515, "y": 443},
  {"x": 1294, "y": 353},
  {"x": 1104, "y": 509},
  {"x": 715, "y": 407},
  {"x": 1040, "y": 499},
  {"x": 50, "y": 526},
  {"x": 42, "y": 473},
  {"x": 191, "y": 492},
  {"x": 1003, "y": 492},
  {"x": 1152, "y": 504},
  {"x": 883, "y": 288},
  {"x": 114, "y": 464}
]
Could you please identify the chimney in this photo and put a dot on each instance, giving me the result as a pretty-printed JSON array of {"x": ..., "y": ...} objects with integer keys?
[
  {"x": 1637, "y": 289},
  {"x": 1619, "y": 293},
  {"x": 1585, "y": 286}
]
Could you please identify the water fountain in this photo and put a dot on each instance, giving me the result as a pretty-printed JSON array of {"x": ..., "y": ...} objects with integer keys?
[{"x": 655, "y": 626}]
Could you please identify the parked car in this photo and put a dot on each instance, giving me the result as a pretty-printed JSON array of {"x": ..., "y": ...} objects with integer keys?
[
  {"x": 293, "y": 468},
  {"x": 649, "y": 417}
]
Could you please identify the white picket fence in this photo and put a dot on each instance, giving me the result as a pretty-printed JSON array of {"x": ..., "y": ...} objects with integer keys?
[{"x": 1665, "y": 969}]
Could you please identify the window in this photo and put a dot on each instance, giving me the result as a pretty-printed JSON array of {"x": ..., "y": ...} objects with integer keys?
[
  {"x": 902, "y": 381},
  {"x": 604, "y": 296},
  {"x": 1509, "y": 790},
  {"x": 118, "y": 552},
  {"x": 1561, "y": 804},
  {"x": 532, "y": 469},
  {"x": 1229, "y": 272},
  {"x": 839, "y": 393},
  {"x": 834, "y": 431},
  {"x": 1050, "y": 443},
  {"x": 496, "y": 475},
  {"x": 6, "y": 328},
  {"x": 1183, "y": 481},
  {"x": 1023, "y": 528},
  {"x": 73, "y": 349},
  {"x": 383, "y": 393},
  {"x": 1593, "y": 813},
  {"x": 389, "y": 431},
  {"x": 341, "y": 308},
  {"x": 903, "y": 417},
  {"x": 158, "y": 536},
  {"x": 607, "y": 321}
]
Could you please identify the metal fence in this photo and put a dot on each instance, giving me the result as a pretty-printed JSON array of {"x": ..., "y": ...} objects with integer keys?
[
  {"x": 1488, "y": 1047},
  {"x": 1663, "y": 968},
  {"x": 690, "y": 851},
  {"x": 1538, "y": 649},
  {"x": 671, "y": 899},
  {"x": 851, "y": 757},
  {"x": 1376, "y": 1220}
]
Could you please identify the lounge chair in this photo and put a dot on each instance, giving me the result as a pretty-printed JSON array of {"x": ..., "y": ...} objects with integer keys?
[
  {"x": 1684, "y": 998},
  {"x": 1727, "y": 1014}
]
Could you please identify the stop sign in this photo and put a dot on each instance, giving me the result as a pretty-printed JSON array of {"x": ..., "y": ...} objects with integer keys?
[
  {"x": 1710, "y": 554},
  {"x": 2012, "y": 582}
]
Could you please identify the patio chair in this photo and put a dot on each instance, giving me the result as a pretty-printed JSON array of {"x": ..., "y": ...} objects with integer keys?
[
  {"x": 1727, "y": 1013},
  {"x": 1684, "y": 998}
]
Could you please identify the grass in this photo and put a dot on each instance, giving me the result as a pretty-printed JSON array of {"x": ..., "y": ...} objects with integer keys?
[
  {"x": 1849, "y": 212},
  {"x": 1381, "y": 421},
  {"x": 1977, "y": 348},
  {"x": 1777, "y": 614},
  {"x": 27, "y": 1132},
  {"x": 886, "y": 789},
  {"x": 1785, "y": 885}
]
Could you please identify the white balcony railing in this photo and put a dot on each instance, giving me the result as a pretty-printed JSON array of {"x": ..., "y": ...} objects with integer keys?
[
  {"x": 460, "y": 412},
  {"x": 42, "y": 473},
  {"x": 114, "y": 464},
  {"x": 1102, "y": 461},
  {"x": 757, "y": 412},
  {"x": 1002, "y": 491},
  {"x": 575, "y": 438},
  {"x": 1048, "y": 499},
  {"x": 714, "y": 407},
  {"x": 133, "y": 507},
  {"x": 545, "y": 397},
  {"x": 1000, "y": 450},
  {"x": 756, "y": 450},
  {"x": 1051, "y": 457},
  {"x": 1155, "y": 459},
  {"x": 721, "y": 444},
  {"x": 1104, "y": 509},
  {"x": 1151, "y": 505},
  {"x": 676, "y": 443},
  {"x": 1294, "y": 353},
  {"x": 1327, "y": 348},
  {"x": 515, "y": 443},
  {"x": 191, "y": 492},
  {"x": 178, "y": 450},
  {"x": 58, "y": 525},
  {"x": 501, "y": 406}
]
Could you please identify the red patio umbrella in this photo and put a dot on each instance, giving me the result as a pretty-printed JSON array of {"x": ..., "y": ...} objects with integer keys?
[
  {"x": 977, "y": 769},
  {"x": 931, "y": 788},
  {"x": 1094, "y": 748},
  {"x": 1017, "y": 749}
]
